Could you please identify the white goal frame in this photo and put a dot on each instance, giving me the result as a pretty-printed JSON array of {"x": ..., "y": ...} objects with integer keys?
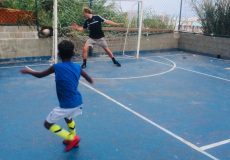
[{"x": 55, "y": 27}]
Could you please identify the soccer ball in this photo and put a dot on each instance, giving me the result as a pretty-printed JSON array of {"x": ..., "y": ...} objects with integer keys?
[{"x": 46, "y": 32}]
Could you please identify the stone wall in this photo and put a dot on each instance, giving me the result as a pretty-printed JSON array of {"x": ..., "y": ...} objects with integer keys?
[
  {"x": 18, "y": 42},
  {"x": 164, "y": 41},
  {"x": 12, "y": 32},
  {"x": 214, "y": 46},
  {"x": 20, "y": 48},
  {"x": 14, "y": 44}
]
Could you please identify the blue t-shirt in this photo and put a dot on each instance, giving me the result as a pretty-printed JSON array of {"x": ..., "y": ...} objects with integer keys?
[{"x": 67, "y": 75}]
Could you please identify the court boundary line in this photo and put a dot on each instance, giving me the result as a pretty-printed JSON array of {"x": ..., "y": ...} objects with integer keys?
[
  {"x": 197, "y": 72},
  {"x": 214, "y": 145},
  {"x": 205, "y": 74},
  {"x": 191, "y": 145},
  {"x": 184, "y": 52},
  {"x": 47, "y": 64},
  {"x": 119, "y": 78},
  {"x": 32, "y": 65},
  {"x": 89, "y": 60}
]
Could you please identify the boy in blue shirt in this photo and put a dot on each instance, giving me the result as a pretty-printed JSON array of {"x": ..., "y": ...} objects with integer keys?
[{"x": 67, "y": 75}]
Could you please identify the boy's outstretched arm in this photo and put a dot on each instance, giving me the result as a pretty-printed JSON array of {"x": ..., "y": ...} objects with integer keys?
[
  {"x": 38, "y": 74},
  {"x": 86, "y": 76}
]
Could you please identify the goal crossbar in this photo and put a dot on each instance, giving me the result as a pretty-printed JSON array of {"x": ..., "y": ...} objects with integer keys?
[{"x": 55, "y": 26}]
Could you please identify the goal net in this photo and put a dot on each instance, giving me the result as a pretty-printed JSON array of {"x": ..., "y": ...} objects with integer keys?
[{"x": 121, "y": 40}]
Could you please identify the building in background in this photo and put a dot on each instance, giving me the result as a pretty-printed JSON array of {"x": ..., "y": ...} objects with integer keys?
[{"x": 191, "y": 25}]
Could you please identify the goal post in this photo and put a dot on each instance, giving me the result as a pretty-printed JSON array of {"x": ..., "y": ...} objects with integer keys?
[
  {"x": 56, "y": 24},
  {"x": 140, "y": 9},
  {"x": 55, "y": 30}
]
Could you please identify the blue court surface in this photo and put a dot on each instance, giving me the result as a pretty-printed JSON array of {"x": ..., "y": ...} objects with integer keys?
[{"x": 163, "y": 106}]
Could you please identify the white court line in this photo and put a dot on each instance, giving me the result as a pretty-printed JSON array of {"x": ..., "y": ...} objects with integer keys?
[
  {"x": 205, "y": 74},
  {"x": 157, "y": 55},
  {"x": 216, "y": 77},
  {"x": 158, "y": 61},
  {"x": 145, "y": 76},
  {"x": 47, "y": 64},
  {"x": 98, "y": 59},
  {"x": 206, "y": 147},
  {"x": 22, "y": 66},
  {"x": 193, "y": 54},
  {"x": 150, "y": 122}
]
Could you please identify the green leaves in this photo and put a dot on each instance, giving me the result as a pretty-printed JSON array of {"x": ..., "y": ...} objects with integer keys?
[
  {"x": 214, "y": 15},
  {"x": 19, "y": 4},
  {"x": 152, "y": 20}
]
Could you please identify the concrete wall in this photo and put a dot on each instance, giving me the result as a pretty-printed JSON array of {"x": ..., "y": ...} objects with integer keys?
[
  {"x": 12, "y": 32},
  {"x": 159, "y": 42},
  {"x": 205, "y": 44},
  {"x": 151, "y": 42},
  {"x": 22, "y": 41},
  {"x": 20, "y": 46}
]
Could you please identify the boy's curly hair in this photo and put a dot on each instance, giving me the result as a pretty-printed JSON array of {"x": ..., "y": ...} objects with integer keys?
[{"x": 66, "y": 49}]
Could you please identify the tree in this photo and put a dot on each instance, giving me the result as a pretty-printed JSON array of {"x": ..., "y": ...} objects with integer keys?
[
  {"x": 22, "y": 4},
  {"x": 214, "y": 16}
]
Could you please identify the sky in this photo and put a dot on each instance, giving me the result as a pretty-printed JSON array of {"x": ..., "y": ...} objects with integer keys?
[{"x": 171, "y": 7}]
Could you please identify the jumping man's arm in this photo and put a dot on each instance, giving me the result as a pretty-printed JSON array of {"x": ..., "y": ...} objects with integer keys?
[
  {"x": 77, "y": 27},
  {"x": 38, "y": 74},
  {"x": 113, "y": 23}
]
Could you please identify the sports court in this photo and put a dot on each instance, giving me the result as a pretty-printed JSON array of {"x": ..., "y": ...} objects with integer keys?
[
  {"x": 162, "y": 106},
  {"x": 169, "y": 100}
]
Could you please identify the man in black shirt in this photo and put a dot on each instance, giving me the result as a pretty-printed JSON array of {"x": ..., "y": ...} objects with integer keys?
[{"x": 93, "y": 23}]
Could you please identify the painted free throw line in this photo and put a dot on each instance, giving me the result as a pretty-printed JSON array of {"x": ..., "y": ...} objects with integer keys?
[
  {"x": 150, "y": 122},
  {"x": 206, "y": 147}
]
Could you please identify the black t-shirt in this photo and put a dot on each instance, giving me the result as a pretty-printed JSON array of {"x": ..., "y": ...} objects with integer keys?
[{"x": 94, "y": 25}]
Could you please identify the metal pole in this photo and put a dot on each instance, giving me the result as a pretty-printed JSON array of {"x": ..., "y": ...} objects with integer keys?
[
  {"x": 90, "y": 49},
  {"x": 55, "y": 30},
  {"x": 90, "y": 4},
  {"x": 140, "y": 28},
  {"x": 36, "y": 15},
  {"x": 180, "y": 15},
  {"x": 138, "y": 15}
]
